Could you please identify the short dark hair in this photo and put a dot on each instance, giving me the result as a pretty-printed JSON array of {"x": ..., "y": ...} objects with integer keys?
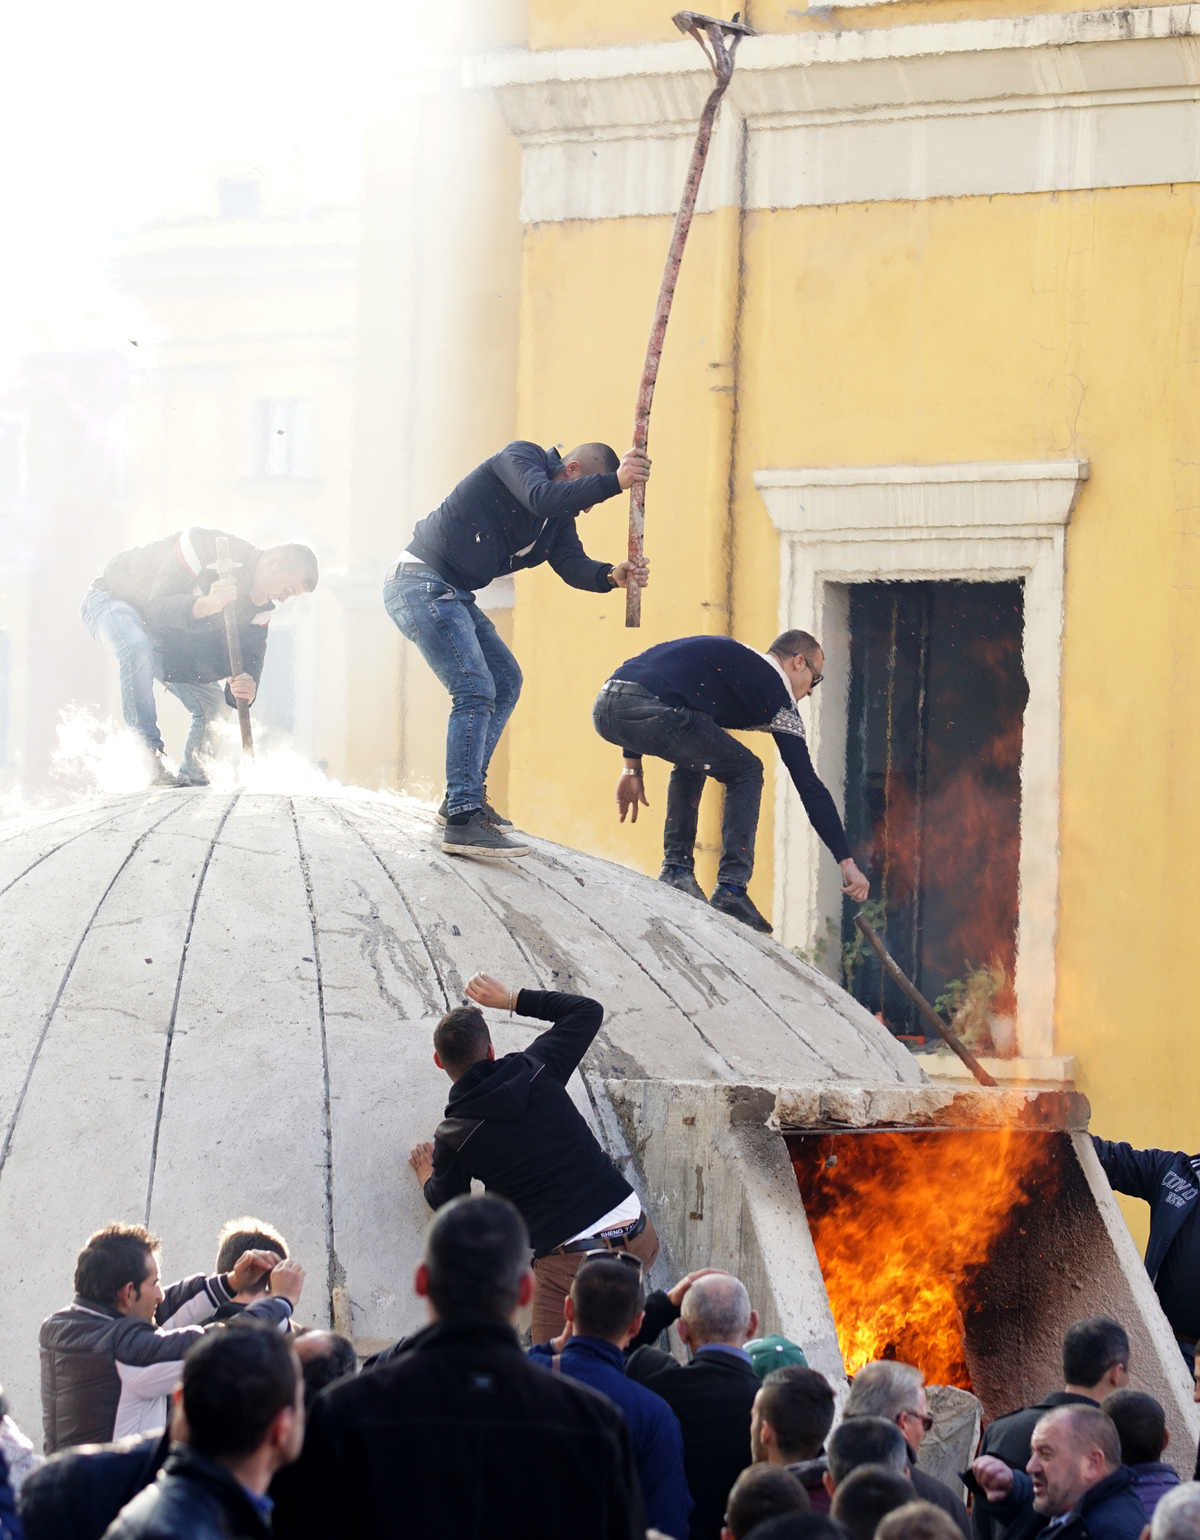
[
  {"x": 476, "y": 1251},
  {"x": 868, "y": 1495},
  {"x": 339, "y": 1362},
  {"x": 298, "y": 559},
  {"x": 865, "y": 1441},
  {"x": 799, "y": 1526},
  {"x": 763, "y": 1492},
  {"x": 248, "y": 1234},
  {"x": 461, "y": 1038},
  {"x": 607, "y": 1295},
  {"x": 236, "y": 1381},
  {"x": 798, "y": 1403},
  {"x": 1091, "y": 1348},
  {"x": 601, "y": 454},
  {"x": 795, "y": 644},
  {"x": 112, "y": 1258},
  {"x": 1141, "y": 1425},
  {"x": 918, "y": 1521}
]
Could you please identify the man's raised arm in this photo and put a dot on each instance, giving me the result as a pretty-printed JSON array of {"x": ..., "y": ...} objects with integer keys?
[{"x": 522, "y": 469}]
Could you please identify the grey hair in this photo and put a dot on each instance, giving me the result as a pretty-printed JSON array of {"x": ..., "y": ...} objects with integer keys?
[
  {"x": 1177, "y": 1516},
  {"x": 884, "y": 1389},
  {"x": 717, "y": 1309}
]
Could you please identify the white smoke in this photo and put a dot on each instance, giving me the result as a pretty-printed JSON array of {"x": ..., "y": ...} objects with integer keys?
[{"x": 96, "y": 756}]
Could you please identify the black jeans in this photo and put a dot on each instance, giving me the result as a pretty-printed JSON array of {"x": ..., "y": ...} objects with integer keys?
[{"x": 633, "y": 719}]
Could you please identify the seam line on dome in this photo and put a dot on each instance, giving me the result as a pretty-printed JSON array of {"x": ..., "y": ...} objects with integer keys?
[
  {"x": 61, "y": 814},
  {"x": 66, "y": 978},
  {"x": 62, "y": 844},
  {"x": 187, "y": 941},
  {"x": 335, "y": 1272},
  {"x": 433, "y": 963}
]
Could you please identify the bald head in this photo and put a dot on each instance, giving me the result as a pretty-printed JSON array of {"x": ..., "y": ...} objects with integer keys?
[
  {"x": 1090, "y": 1431},
  {"x": 717, "y": 1309},
  {"x": 592, "y": 459}
]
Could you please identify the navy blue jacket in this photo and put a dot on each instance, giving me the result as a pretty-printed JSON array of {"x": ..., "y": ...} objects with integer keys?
[
  {"x": 653, "y": 1427},
  {"x": 1111, "y": 1510},
  {"x": 510, "y": 513},
  {"x": 741, "y": 692},
  {"x": 1152, "y": 1481},
  {"x": 1165, "y": 1179}
]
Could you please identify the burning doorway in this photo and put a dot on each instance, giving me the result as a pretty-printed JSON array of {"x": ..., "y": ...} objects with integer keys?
[{"x": 933, "y": 798}]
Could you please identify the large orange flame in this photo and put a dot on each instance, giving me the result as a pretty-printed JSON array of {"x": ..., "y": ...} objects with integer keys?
[{"x": 903, "y": 1223}]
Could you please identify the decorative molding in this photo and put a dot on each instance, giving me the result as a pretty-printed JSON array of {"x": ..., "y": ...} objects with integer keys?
[
  {"x": 1059, "y": 102},
  {"x": 972, "y": 522}
]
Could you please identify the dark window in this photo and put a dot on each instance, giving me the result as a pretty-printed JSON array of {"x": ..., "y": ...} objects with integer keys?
[
  {"x": 933, "y": 796},
  {"x": 275, "y": 704},
  {"x": 240, "y": 197}
]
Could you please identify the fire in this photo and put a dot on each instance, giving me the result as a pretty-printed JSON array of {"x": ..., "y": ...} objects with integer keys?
[{"x": 902, "y": 1224}]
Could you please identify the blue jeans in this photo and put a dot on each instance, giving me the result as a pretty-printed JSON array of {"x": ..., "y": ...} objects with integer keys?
[
  {"x": 464, "y": 650},
  {"x": 121, "y": 629}
]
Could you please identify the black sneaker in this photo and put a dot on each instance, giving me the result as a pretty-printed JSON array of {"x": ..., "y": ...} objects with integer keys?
[
  {"x": 488, "y": 811},
  {"x": 479, "y": 837},
  {"x": 736, "y": 903},
  {"x": 683, "y": 878}
]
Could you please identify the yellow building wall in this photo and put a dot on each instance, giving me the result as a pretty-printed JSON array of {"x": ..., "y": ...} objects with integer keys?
[{"x": 1004, "y": 328}]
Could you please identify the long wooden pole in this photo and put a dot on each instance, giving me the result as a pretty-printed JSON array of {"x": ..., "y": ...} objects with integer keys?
[
  {"x": 233, "y": 641},
  {"x": 720, "y": 55},
  {"x": 902, "y": 983}
]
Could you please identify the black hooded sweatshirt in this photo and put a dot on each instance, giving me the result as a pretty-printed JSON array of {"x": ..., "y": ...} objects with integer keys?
[{"x": 511, "y": 1123}]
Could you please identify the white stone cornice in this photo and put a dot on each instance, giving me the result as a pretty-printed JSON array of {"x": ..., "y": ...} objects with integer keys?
[{"x": 1003, "y": 105}]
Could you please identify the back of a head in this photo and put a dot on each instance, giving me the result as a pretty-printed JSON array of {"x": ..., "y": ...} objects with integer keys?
[
  {"x": 865, "y": 1441},
  {"x": 325, "y": 1357},
  {"x": 762, "y": 1492},
  {"x": 607, "y": 1295},
  {"x": 476, "y": 1251},
  {"x": 717, "y": 1309},
  {"x": 1177, "y": 1516},
  {"x": 884, "y": 1389},
  {"x": 799, "y": 1404},
  {"x": 461, "y": 1039},
  {"x": 596, "y": 459},
  {"x": 110, "y": 1259},
  {"x": 918, "y": 1521},
  {"x": 867, "y": 1496},
  {"x": 1141, "y": 1425},
  {"x": 298, "y": 560},
  {"x": 1090, "y": 1429},
  {"x": 1091, "y": 1348},
  {"x": 236, "y": 1381},
  {"x": 248, "y": 1234},
  {"x": 798, "y": 1526},
  {"x": 793, "y": 644}
]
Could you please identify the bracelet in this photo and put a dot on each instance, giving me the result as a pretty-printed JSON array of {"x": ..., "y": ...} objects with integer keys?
[
  {"x": 638, "y": 773},
  {"x": 512, "y": 1000}
]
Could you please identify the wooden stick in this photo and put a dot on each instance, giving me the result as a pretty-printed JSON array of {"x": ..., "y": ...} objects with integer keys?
[
  {"x": 902, "y": 983},
  {"x": 721, "y": 56},
  {"x": 233, "y": 641}
]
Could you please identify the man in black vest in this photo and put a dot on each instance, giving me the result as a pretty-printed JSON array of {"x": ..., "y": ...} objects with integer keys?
[{"x": 516, "y": 510}]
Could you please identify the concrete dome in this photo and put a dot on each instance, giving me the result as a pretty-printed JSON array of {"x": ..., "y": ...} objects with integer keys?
[{"x": 217, "y": 1003}]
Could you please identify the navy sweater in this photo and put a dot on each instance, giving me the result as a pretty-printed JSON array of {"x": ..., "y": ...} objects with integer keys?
[
  {"x": 510, "y": 513},
  {"x": 742, "y": 692}
]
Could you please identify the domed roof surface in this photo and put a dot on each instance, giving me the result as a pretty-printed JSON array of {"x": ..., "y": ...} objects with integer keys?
[{"x": 218, "y": 1003}]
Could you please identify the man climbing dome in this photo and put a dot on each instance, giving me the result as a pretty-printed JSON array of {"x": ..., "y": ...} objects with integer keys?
[
  {"x": 677, "y": 701},
  {"x": 159, "y": 610}
]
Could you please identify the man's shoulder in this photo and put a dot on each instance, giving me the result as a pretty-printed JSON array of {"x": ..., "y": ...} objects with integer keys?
[
  {"x": 76, "y": 1326},
  {"x": 175, "y": 1507}
]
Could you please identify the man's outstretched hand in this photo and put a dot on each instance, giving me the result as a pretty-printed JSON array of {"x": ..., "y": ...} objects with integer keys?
[
  {"x": 249, "y": 1268},
  {"x": 993, "y": 1476},
  {"x": 287, "y": 1281},
  {"x": 626, "y": 572},
  {"x": 854, "y": 884},
  {"x": 243, "y": 688},
  {"x": 421, "y": 1160},
  {"x": 631, "y": 794},
  {"x": 486, "y": 990},
  {"x": 634, "y": 466},
  {"x": 676, "y": 1294}
]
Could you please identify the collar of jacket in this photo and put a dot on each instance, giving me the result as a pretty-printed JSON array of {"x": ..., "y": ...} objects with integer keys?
[
  {"x": 595, "y": 1347},
  {"x": 81, "y": 1302},
  {"x": 190, "y": 1464},
  {"x": 476, "y": 1330},
  {"x": 1121, "y": 1478}
]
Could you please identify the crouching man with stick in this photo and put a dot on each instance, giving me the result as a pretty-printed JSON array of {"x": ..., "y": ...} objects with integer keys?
[
  {"x": 677, "y": 701},
  {"x": 511, "y": 1123}
]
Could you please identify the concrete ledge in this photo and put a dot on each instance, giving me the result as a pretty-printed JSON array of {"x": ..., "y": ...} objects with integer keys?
[{"x": 1051, "y": 1070}]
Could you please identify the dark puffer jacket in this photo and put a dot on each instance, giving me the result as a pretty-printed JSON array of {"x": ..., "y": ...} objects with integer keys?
[
  {"x": 194, "y": 1498},
  {"x": 107, "y": 1376},
  {"x": 77, "y": 1494},
  {"x": 1111, "y": 1510}
]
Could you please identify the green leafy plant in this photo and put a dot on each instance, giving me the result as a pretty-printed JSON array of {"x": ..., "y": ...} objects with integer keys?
[
  {"x": 971, "y": 1003},
  {"x": 856, "y": 949}
]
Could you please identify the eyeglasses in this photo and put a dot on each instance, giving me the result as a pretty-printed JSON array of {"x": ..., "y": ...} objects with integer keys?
[
  {"x": 816, "y": 678},
  {"x": 627, "y": 1258},
  {"x": 923, "y": 1418}
]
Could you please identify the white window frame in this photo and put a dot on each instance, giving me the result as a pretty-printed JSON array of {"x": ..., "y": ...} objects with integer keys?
[{"x": 907, "y": 523}]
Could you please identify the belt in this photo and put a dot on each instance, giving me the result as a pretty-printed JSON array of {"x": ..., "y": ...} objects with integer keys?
[
  {"x": 626, "y": 687},
  {"x": 610, "y": 1238},
  {"x": 415, "y": 566}
]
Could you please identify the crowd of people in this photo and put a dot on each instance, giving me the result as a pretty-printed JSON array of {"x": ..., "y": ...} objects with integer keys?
[{"x": 204, "y": 1410}]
